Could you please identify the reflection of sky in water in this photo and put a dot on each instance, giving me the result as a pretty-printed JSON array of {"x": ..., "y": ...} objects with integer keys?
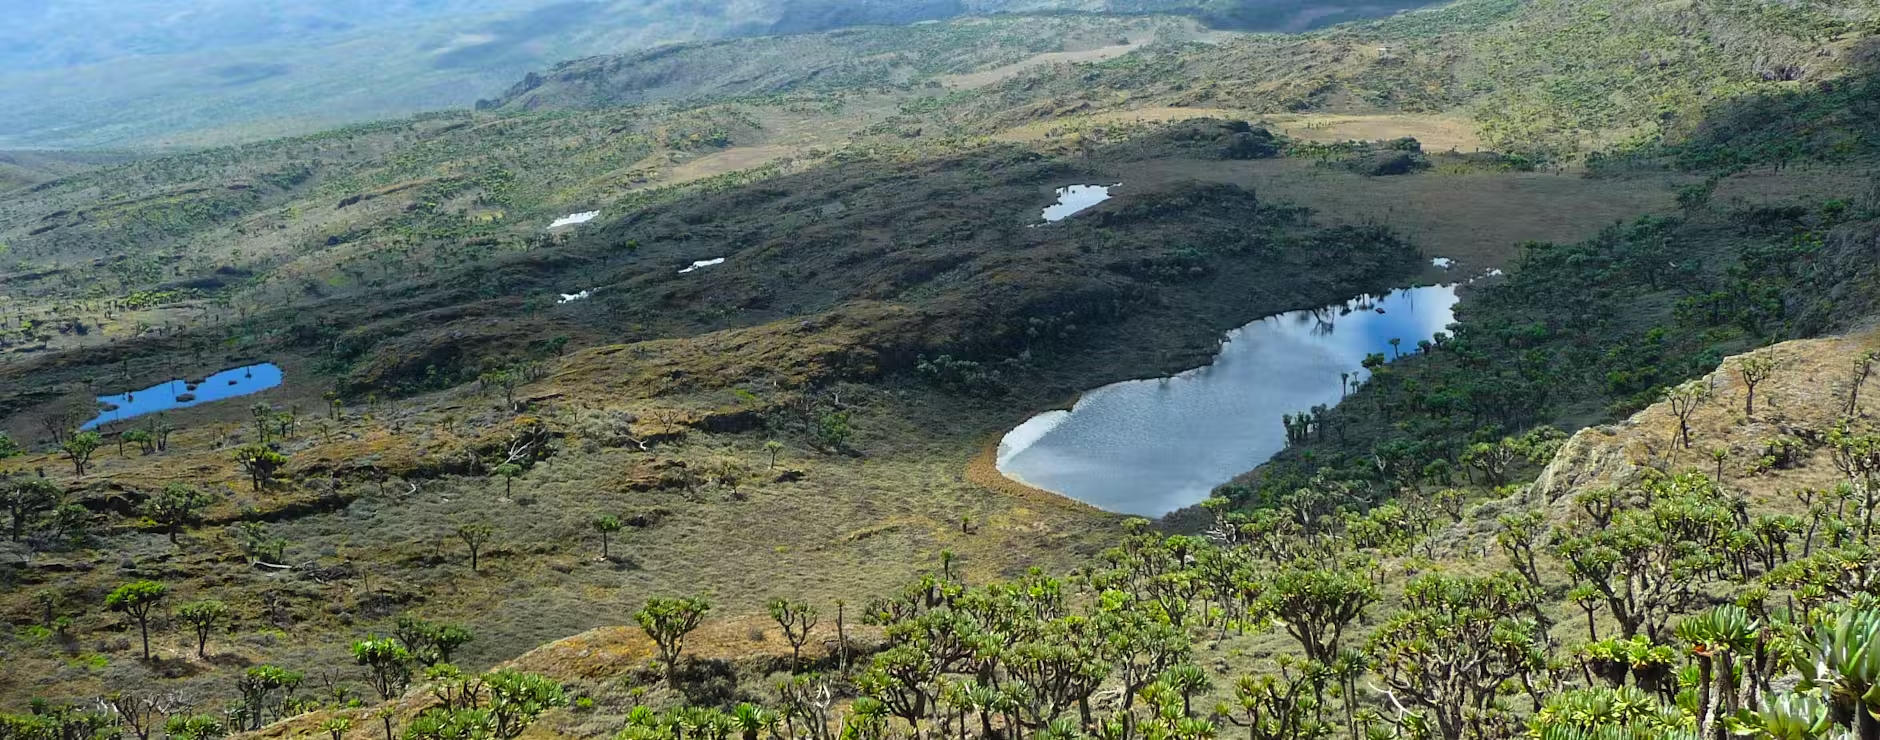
[
  {"x": 1152, "y": 446},
  {"x": 240, "y": 381},
  {"x": 1076, "y": 198}
]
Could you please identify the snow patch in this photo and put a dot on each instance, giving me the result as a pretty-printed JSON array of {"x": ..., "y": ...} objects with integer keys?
[
  {"x": 1443, "y": 262},
  {"x": 572, "y": 297}
]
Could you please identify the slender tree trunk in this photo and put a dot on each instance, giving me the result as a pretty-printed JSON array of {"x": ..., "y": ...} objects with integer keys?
[
  {"x": 1704, "y": 690},
  {"x": 842, "y": 641}
]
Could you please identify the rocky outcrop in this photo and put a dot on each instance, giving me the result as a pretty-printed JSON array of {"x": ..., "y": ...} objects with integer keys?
[{"x": 1804, "y": 397}]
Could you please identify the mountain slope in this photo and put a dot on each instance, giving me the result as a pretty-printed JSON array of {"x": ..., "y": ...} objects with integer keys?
[
  {"x": 90, "y": 73},
  {"x": 855, "y": 59},
  {"x": 1553, "y": 79}
]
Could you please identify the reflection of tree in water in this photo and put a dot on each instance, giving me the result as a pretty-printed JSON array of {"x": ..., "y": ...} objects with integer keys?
[
  {"x": 1321, "y": 319},
  {"x": 1325, "y": 322}
]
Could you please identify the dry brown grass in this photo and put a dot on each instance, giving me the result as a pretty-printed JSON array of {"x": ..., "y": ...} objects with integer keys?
[
  {"x": 1002, "y": 73},
  {"x": 1478, "y": 219},
  {"x": 1438, "y": 133},
  {"x": 842, "y": 528}
]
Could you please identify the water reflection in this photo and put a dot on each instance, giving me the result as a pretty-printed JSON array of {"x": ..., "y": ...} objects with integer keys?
[
  {"x": 179, "y": 393},
  {"x": 1149, "y": 447},
  {"x": 1076, "y": 198}
]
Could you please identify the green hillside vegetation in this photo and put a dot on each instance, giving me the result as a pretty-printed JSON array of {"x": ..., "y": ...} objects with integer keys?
[
  {"x": 907, "y": 57},
  {"x": 1551, "y": 80},
  {"x": 1587, "y": 333}
]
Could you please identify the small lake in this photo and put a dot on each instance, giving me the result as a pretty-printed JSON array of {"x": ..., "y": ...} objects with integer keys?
[
  {"x": 1076, "y": 198},
  {"x": 182, "y": 394},
  {"x": 1149, "y": 447}
]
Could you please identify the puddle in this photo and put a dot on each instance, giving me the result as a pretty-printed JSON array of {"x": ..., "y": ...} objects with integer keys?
[
  {"x": 575, "y": 218},
  {"x": 1075, "y": 198},
  {"x": 181, "y": 394},
  {"x": 703, "y": 263},
  {"x": 1149, "y": 447}
]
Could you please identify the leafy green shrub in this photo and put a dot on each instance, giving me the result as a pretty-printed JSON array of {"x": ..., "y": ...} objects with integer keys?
[{"x": 960, "y": 375}]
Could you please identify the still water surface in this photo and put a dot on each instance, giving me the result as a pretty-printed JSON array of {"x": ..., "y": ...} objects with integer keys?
[
  {"x": 1149, "y": 447},
  {"x": 1074, "y": 198},
  {"x": 179, "y": 393}
]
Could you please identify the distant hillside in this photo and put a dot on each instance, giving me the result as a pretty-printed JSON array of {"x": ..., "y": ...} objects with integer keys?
[
  {"x": 851, "y": 58},
  {"x": 1554, "y": 78},
  {"x": 102, "y": 73},
  {"x": 23, "y": 169}
]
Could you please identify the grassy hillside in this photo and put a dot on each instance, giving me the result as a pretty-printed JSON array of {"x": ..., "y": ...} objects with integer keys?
[
  {"x": 1588, "y": 333},
  {"x": 838, "y": 282},
  {"x": 857, "y": 59},
  {"x": 22, "y": 169},
  {"x": 1554, "y": 80}
]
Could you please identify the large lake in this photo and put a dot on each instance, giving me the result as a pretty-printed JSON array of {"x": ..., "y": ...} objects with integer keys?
[
  {"x": 179, "y": 393},
  {"x": 1149, "y": 447}
]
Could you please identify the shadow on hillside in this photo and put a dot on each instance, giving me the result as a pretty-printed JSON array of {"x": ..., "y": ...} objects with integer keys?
[
  {"x": 807, "y": 16},
  {"x": 1294, "y": 16},
  {"x": 1830, "y": 119}
]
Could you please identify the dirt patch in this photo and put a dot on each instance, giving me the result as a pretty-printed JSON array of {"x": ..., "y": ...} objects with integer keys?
[
  {"x": 983, "y": 470},
  {"x": 1476, "y": 219},
  {"x": 1437, "y": 133},
  {"x": 729, "y": 160}
]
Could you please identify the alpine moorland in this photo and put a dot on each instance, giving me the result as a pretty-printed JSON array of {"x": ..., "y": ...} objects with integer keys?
[{"x": 676, "y": 370}]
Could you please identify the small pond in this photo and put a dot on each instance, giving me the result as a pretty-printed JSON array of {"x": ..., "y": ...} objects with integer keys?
[
  {"x": 1076, "y": 198},
  {"x": 1149, "y": 447},
  {"x": 181, "y": 394}
]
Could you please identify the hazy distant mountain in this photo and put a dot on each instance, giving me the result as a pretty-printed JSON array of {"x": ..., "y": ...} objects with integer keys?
[{"x": 103, "y": 73}]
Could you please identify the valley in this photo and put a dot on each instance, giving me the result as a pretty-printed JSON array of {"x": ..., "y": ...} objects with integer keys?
[{"x": 749, "y": 320}]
